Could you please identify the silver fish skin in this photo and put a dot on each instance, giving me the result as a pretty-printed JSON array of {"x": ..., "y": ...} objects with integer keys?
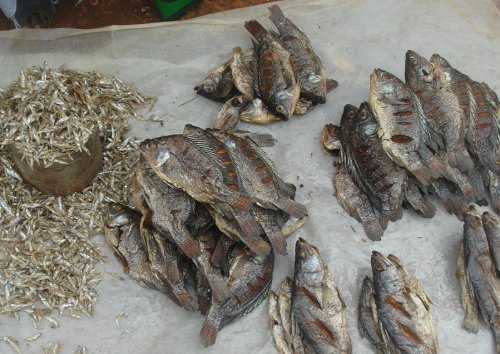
[
  {"x": 249, "y": 282},
  {"x": 218, "y": 84},
  {"x": 290, "y": 325},
  {"x": 257, "y": 113},
  {"x": 181, "y": 164},
  {"x": 310, "y": 70},
  {"x": 258, "y": 175},
  {"x": 275, "y": 78},
  {"x": 402, "y": 307},
  {"x": 317, "y": 304},
  {"x": 277, "y": 330},
  {"x": 481, "y": 108},
  {"x": 356, "y": 203},
  {"x": 491, "y": 225},
  {"x": 415, "y": 198},
  {"x": 368, "y": 323},
  {"x": 242, "y": 74},
  {"x": 469, "y": 302},
  {"x": 402, "y": 125},
  {"x": 125, "y": 240},
  {"x": 481, "y": 270},
  {"x": 229, "y": 114},
  {"x": 441, "y": 107},
  {"x": 381, "y": 179}
]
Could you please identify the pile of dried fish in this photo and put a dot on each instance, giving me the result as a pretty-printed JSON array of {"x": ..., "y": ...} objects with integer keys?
[
  {"x": 437, "y": 133},
  {"x": 478, "y": 266},
  {"x": 393, "y": 312},
  {"x": 47, "y": 254},
  {"x": 308, "y": 315},
  {"x": 205, "y": 210},
  {"x": 279, "y": 77}
]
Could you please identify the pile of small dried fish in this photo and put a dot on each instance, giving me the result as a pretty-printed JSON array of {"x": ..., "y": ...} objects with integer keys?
[
  {"x": 279, "y": 77},
  {"x": 437, "y": 133},
  {"x": 308, "y": 315},
  {"x": 47, "y": 254},
  {"x": 393, "y": 311},
  {"x": 478, "y": 266},
  {"x": 205, "y": 210}
]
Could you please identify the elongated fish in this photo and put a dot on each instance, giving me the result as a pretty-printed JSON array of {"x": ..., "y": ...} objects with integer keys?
[
  {"x": 275, "y": 78},
  {"x": 310, "y": 71},
  {"x": 317, "y": 303}
]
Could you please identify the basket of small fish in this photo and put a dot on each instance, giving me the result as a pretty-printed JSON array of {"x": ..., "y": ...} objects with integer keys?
[
  {"x": 279, "y": 77},
  {"x": 438, "y": 133},
  {"x": 206, "y": 211}
]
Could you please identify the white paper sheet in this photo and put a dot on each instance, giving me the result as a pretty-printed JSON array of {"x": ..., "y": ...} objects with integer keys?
[{"x": 352, "y": 38}]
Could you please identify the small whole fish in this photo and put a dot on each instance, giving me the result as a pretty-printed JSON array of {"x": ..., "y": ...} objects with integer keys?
[
  {"x": 481, "y": 107},
  {"x": 229, "y": 114},
  {"x": 257, "y": 113},
  {"x": 218, "y": 84},
  {"x": 249, "y": 281},
  {"x": 317, "y": 304},
  {"x": 356, "y": 203},
  {"x": 402, "y": 308},
  {"x": 310, "y": 71},
  {"x": 381, "y": 179},
  {"x": 274, "y": 75},
  {"x": 403, "y": 127},
  {"x": 242, "y": 74},
  {"x": 481, "y": 270}
]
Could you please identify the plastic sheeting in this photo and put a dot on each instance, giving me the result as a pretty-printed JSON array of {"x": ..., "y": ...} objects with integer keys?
[{"x": 352, "y": 38}]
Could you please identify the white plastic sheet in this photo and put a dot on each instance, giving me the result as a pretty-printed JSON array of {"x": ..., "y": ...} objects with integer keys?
[{"x": 352, "y": 38}]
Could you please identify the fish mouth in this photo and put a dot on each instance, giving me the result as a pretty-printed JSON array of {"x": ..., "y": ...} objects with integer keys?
[{"x": 377, "y": 254}]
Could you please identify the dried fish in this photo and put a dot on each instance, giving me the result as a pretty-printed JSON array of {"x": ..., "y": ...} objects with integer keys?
[
  {"x": 118, "y": 318},
  {"x": 12, "y": 342},
  {"x": 32, "y": 338}
]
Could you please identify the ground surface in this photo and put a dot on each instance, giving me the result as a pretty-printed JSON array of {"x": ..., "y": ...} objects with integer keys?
[{"x": 101, "y": 13}]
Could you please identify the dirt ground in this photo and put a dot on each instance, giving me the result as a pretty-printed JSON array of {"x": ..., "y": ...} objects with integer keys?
[{"x": 101, "y": 13}]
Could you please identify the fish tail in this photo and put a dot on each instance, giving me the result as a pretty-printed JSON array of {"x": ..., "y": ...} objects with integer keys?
[
  {"x": 331, "y": 85},
  {"x": 242, "y": 203},
  {"x": 292, "y": 208},
  {"x": 208, "y": 334},
  {"x": 277, "y": 16},
  {"x": 383, "y": 220},
  {"x": 273, "y": 233},
  {"x": 471, "y": 323},
  {"x": 426, "y": 208},
  {"x": 173, "y": 272},
  {"x": 255, "y": 28},
  {"x": 264, "y": 140},
  {"x": 455, "y": 206},
  {"x": 459, "y": 158},
  {"x": 191, "y": 248},
  {"x": 373, "y": 229},
  {"x": 186, "y": 300},
  {"x": 423, "y": 175}
]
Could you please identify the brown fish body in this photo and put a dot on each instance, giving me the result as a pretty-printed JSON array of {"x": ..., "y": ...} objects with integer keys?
[
  {"x": 310, "y": 71},
  {"x": 275, "y": 79},
  {"x": 382, "y": 180},
  {"x": 481, "y": 108},
  {"x": 317, "y": 304},
  {"x": 249, "y": 281}
]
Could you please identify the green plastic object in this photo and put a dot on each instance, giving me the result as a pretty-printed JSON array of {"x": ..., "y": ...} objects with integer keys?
[{"x": 173, "y": 9}]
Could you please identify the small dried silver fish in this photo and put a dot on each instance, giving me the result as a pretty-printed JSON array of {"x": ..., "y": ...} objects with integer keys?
[{"x": 12, "y": 342}]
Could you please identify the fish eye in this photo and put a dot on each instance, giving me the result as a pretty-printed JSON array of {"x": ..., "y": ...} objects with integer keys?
[
  {"x": 280, "y": 108},
  {"x": 378, "y": 268},
  {"x": 150, "y": 146},
  {"x": 210, "y": 88},
  {"x": 413, "y": 60}
]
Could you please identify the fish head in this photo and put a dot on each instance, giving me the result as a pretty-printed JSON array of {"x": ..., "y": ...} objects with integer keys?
[
  {"x": 283, "y": 103},
  {"x": 366, "y": 120},
  {"x": 156, "y": 152},
  {"x": 208, "y": 87},
  {"x": 308, "y": 264},
  {"x": 489, "y": 220},
  {"x": 417, "y": 69},
  {"x": 314, "y": 88},
  {"x": 472, "y": 219},
  {"x": 442, "y": 68},
  {"x": 384, "y": 85},
  {"x": 386, "y": 277},
  {"x": 253, "y": 108}
]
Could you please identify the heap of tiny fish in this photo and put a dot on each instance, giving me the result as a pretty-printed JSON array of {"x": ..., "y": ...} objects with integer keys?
[
  {"x": 478, "y": 267},
  {"x": 279, "y": 77},
  {"x": 308, "y": 314},
  {"x": 438, "y": 133},
  {"x": 47, "y": 254},
  {"x": 394, "y": 311},
  {"x": 205, "y": 211}
]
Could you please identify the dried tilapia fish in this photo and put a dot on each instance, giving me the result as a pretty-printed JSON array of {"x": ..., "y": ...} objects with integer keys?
[
  {"x": 218, "y": 84},
  {"x": 48, "y": 255}
]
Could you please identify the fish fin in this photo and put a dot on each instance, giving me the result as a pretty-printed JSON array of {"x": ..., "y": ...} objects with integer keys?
[
  {"x": 431, "y": 138},
  {"x": 263, "y": 140},
  {"x": 204, "y": 146},
  {"x": 273, "y": 233},
  {"x": 383, "y": 220},
  {"x": 292, "y": 208},
  {"x": 289, "y": 229},
  {"x": 460, "y": 158},
  {"x": 255, "y": 28},
  {"x": 255, "y": 68},
  {"x": 331, "y": 85},
  {"x": 397, "y": 215},
  {"x": 277, "y": 16},
  {"x": 373, "y": 229},
  {"x": 186, "y": 300},
  {"x": 217, "y": 258},
  {"x": 208, "y": 334}
]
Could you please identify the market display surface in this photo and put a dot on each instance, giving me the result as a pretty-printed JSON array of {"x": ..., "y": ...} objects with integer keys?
[{"x": 130, "y": 318}]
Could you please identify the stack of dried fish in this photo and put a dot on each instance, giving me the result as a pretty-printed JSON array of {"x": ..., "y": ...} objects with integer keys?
[
  {"x": 308, "y": 315},
  {"x": 280, "y": 77},
  {"x": 478, "y": 266},
  {"x": 206, "y": 207},
  {"x": 47, "y": 254},
  {"x": 393, "y": 310},
  {"x": 437, "y": 133}
]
